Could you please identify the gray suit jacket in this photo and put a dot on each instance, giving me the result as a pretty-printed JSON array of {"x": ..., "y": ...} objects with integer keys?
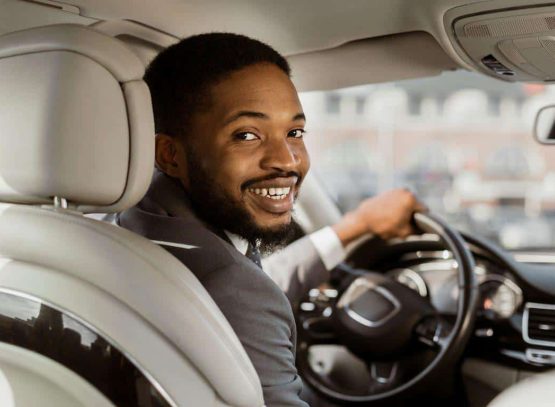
[
  {"x": 254, "y": 305},
  {"x": 296, "y": 269}
]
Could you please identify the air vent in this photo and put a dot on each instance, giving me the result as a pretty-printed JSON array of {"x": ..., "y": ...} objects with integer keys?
[{"x": 538, "y": 324}]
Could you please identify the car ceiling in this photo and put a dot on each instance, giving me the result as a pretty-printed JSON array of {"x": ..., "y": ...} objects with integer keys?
[
  {"x": 306, "y": 27},
  {"x": 292, "y": 26}
]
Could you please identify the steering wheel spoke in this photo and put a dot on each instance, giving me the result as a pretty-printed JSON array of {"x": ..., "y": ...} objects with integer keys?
[
  {"x": 432, "y": 332},
  {"x": 383, "y": 375},
  {"x": 318, "y": 331}
]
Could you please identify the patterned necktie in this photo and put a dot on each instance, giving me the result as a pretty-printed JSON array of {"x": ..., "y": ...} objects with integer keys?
[{"x": 254, "y": 254}]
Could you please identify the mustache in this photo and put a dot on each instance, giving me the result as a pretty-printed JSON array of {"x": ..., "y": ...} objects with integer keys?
[{"x": 268, "y": 177}]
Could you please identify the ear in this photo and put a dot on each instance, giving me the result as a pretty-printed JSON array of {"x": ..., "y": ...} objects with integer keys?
[{"x": 170, "y": 157}]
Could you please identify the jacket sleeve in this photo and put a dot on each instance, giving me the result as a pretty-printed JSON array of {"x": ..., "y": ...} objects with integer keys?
[
  {"x": 263, "y": 320},
  {"x": 296, "y": 268}
]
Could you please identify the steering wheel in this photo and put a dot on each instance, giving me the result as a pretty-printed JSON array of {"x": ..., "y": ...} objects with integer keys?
[{"x": 383, "y": 323}]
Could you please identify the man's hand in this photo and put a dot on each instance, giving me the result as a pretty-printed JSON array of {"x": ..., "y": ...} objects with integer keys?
[{"x": 387, "y": 215}]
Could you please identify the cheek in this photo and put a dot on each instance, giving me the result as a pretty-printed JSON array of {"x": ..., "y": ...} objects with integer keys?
[{"x": 232, "y": 172}]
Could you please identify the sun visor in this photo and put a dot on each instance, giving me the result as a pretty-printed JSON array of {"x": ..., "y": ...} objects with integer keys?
[
  {"x": 513, "y": 45},
  {"x": 373, "y": 60}
]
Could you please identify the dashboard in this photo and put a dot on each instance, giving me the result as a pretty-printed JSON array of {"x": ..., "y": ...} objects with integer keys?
[
  {"x": 433, "y": 275},
  {"x": 513, "y": 332},
  {"x": 515, "y": 321}
]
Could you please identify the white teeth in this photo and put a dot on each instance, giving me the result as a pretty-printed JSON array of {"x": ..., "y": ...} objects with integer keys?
[{"x": 273, "y": 193}]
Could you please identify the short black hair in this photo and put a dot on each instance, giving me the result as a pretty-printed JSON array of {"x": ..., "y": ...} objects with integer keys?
[{"x": 180, "y": 77}]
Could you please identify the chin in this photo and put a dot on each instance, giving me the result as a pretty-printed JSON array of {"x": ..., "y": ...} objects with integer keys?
[{"x": 273, "y": 221}]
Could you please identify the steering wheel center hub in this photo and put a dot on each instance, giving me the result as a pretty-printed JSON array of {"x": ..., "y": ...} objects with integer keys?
[
  {"x": 368, "y": 303},
  {"x": 378, "y": 316}
]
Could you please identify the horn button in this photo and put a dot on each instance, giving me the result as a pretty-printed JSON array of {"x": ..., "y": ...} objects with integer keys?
[
  {"x": 372, "y": 306},
  {"x": 375, "y": 317}
]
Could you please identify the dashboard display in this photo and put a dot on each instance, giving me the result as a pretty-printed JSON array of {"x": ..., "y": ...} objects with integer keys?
[
  {"x": 411, "y": 279},
  {"x": 500, "y": 297}
]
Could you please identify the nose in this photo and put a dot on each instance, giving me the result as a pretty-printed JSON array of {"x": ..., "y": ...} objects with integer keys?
[{"x": 280, "y": 155}]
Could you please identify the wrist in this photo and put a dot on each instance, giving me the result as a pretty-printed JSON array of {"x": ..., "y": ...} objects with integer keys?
[{"x": 350, "y": 228}]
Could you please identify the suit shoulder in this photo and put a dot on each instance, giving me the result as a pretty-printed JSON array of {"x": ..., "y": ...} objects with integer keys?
[{"x": 238, "y": 278}]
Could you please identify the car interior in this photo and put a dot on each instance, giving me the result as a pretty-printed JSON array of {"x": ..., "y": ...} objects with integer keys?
[{"x": 92, "y": 314}]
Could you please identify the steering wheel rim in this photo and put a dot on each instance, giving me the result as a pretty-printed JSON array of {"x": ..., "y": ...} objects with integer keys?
[{"x": 453, "y": 344}]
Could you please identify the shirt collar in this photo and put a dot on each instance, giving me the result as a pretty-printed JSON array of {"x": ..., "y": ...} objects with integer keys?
[{"x": 240, "y": 244}]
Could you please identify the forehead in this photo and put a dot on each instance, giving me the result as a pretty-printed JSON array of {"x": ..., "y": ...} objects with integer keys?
[{"x": 263, "y": 87}]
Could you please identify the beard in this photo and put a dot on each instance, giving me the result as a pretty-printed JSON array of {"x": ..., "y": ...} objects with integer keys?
[{"x": 219, "y": 210}]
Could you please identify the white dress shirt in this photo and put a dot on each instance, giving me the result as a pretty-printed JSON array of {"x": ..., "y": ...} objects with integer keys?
[
  {"x": 325, "y": 241},
  {"x": 328, "y": 246},
  {"x": 240, "y": 244}
]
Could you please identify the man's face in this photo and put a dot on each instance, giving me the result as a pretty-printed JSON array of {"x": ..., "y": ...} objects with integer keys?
[{"x": 247, "y": 151}]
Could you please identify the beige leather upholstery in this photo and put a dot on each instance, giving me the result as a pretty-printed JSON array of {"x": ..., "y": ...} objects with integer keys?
[
  {"x": 30, "y": 379},
  {"x": 81, "y": 126},
  {"x": 76, "y": 124},
  {"x": 536, "y": 391},
  {"x": 142, "y": 277}
]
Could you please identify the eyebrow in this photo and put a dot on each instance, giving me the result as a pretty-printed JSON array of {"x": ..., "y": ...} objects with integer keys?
[
  {"x": 299, "y": 116},
  {"x": 258, "y": 115}
]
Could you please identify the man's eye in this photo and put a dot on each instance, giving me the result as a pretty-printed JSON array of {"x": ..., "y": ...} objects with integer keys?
[
  {"x": 247, "y": 136},
  {"x": 297, "y": 133}
]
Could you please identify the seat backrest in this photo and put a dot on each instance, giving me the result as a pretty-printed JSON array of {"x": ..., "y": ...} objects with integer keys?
[{"x": 77, "y": 136}]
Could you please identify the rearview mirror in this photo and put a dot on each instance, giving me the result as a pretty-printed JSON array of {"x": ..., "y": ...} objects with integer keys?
[{"x": 544, "y": 125}]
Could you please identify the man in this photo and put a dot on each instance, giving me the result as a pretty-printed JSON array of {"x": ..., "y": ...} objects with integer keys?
[{"x": 230, "y": 161}]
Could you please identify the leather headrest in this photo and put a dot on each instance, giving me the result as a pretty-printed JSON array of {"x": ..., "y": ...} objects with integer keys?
[{"x": 75, "y": 120}]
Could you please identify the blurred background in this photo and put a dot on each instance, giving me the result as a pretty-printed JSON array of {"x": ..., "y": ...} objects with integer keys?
[{"x": 461, "y": 141}]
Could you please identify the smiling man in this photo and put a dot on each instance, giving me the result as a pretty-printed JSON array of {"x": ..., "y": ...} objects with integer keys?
[
  {"x": 244, "y": 163},
  {"x": 230, "y": 161}
]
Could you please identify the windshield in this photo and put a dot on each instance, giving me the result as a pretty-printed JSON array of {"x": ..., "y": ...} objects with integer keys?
[{"x": 461, "y": 141}]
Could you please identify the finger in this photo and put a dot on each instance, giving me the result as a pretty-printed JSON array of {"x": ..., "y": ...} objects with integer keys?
[
  {"x": 420, "y": 207},
  {"x": 406, "y": 231}
]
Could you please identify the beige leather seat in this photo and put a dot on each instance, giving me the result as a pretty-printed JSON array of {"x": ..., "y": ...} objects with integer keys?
[
  {"x": 535, "y": 391},
  {"x": 76, "y": 136}
]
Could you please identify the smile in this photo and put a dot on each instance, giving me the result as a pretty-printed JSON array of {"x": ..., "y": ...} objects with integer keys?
[{"x": 275, "y": 193}]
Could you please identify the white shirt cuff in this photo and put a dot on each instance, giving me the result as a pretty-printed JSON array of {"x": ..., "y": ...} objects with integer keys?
[{"x": 328, "y": 246}]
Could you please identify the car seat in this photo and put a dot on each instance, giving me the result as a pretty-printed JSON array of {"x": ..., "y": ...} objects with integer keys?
[{"x": 92, "y": 314}]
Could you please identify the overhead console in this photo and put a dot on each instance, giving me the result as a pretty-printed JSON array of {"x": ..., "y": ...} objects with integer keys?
[{"x": 513, "y": 44}]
